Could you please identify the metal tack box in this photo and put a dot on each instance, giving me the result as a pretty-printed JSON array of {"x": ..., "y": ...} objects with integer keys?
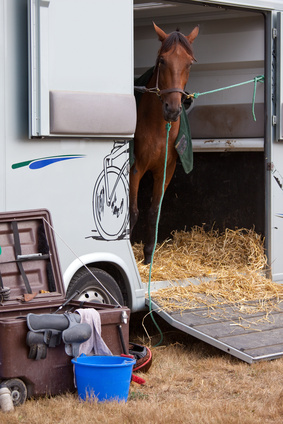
[{"x": 31, "y": 282}]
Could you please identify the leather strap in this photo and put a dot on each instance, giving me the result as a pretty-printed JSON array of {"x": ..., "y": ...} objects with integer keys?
[{"x": 18, "y": 251}]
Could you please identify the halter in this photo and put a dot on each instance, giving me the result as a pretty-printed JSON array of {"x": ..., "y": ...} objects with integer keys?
[{"x": 156, "y": 90}]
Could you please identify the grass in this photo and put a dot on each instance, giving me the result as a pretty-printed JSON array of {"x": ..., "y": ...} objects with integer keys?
[{"x": 188, "y": 382}]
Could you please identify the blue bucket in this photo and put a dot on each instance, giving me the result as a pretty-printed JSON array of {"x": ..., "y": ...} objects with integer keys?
[{"x": 105, "y": 377}]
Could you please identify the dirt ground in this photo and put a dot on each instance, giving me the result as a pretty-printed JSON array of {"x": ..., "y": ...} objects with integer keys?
[{"x": 188, "y": 382}]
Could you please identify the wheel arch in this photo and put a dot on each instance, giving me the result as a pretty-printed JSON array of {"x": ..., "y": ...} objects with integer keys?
[{"x": 110, "y": 263}]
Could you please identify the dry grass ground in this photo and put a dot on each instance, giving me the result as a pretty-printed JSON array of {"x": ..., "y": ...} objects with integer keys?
[{"x": 188, "y": 382}]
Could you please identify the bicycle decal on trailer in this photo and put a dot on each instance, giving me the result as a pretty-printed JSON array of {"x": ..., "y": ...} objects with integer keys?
[{"x": 111, "y": 195}]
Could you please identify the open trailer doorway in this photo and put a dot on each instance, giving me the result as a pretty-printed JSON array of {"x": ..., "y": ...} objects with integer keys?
[{"x": 226, "y": 187}]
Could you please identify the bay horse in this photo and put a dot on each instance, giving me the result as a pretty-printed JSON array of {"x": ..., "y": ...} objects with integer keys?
[{"x": 168, "y": 81}]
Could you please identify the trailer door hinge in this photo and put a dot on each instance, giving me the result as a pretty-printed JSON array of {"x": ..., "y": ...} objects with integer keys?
[{"x": 274, "y": 33}]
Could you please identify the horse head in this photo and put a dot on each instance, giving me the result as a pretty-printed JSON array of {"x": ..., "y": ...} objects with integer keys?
[{"x": 173, "y": 65}]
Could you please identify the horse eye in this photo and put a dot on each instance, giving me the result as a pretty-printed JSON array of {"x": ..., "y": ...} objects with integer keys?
[{"x": 161, "y": 61}]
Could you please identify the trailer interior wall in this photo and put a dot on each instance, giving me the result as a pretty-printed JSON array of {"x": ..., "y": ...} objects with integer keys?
[{"x": 226, "y": 186}]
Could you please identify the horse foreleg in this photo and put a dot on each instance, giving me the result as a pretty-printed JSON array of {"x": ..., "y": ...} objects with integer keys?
[
  {"x": 150, "y": 233},
  {"x": 153, "y": 210},
  {"x": 135, "y": 178}
]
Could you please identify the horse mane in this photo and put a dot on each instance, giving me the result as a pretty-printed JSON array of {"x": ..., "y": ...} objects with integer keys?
[{"x": 173, "y": 39}]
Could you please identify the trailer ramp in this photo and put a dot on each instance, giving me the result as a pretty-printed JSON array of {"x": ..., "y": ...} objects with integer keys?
[{"x": 249, "y": 336}]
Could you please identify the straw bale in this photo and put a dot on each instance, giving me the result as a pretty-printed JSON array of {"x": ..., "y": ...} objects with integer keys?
[{"x": 229, "y": 266}]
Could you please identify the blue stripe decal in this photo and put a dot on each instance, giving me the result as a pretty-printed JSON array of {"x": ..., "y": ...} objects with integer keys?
[{"x": 48, "y": 161}]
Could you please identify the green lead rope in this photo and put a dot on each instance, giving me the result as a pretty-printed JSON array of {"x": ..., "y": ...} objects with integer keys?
[
  {"x": 168, "y": 127},
  {"x": 255, "y": 80}
]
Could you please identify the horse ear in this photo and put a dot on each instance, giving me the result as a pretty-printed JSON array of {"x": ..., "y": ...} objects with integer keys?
[
  {"x": 193, "y": 35},
  {"x": 161, "y": 34}
]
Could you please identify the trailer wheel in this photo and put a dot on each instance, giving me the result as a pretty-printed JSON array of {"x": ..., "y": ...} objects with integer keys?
[
  {"x": 18, "y": 390},
  {"x": 102, "y": 289}
]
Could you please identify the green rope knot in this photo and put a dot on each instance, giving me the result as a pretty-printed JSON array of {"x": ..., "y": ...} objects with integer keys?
[{"x": 168, "y": 127}]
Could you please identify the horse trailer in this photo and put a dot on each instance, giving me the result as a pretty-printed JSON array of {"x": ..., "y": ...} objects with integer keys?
[{"x": 68, "y": 115}]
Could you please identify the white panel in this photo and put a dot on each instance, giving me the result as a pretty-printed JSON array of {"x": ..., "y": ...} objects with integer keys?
[
  {"x": 85, "y": 113},
  {"x": 78, "y": 45},
  {"x": 224, "y": 145}
]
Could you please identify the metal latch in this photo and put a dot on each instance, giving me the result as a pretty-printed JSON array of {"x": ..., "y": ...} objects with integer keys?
[
  {"x": 274, "y": 33},
  {"x": 124, "y": 317},
  {"x": 274, "y": 120}
]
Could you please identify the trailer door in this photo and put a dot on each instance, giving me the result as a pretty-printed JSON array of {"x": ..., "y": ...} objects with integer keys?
[
  {"x": 80, "y": 68},
  {"x": 279, "y": 82},
  {"x": 275, "y": 153}
]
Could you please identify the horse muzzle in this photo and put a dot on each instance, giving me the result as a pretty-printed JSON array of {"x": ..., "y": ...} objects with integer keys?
[{"x": 171, "y": 113}]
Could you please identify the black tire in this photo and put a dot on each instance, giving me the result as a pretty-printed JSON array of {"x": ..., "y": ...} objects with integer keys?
[
  {"x": 18, "y": 390},
  {"x": 90, "y": 289}
]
